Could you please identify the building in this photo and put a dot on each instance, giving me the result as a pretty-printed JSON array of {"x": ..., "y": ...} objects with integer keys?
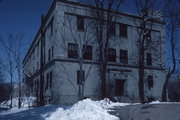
[{"x": 52, "y": 60}]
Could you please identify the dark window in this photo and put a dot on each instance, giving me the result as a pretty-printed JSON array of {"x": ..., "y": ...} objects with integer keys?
[
  {"x": 79, "y": 80},
  {"x": 87, "y": 49},
  {"x": 149, "y": 59},
  {"x": 123, "y": 30},
  {"x": 72, "y": 50},
  {"x": 80, "y": 23},
  {"x": 111, "y": 55},
  {"x": 49, "y": 54},
  {"x": 51, "y": 26},
  {"x": 124, "y": 56},
  {"x": 51, "y": 79},
  {"x": 52, "y": 51},
  {"x": 148, "y": 35},
  {"x": 47, "y": 81},
  {"x": 150, "y": 81},
  {"x": 112, "y": 29}
]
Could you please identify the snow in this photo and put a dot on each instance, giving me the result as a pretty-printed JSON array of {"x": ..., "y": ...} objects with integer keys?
[
  {"x": 86, "y": 110},
  {"x": 25, "y": 102},
  {"x": 158, "y": 102},
  {"x": 12, "y": 111}
]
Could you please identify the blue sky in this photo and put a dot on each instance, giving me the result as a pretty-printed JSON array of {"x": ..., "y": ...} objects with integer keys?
[{"x": 22, "y": 16}]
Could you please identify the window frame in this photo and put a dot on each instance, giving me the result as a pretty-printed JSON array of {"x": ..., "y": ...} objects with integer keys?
[
  {"x": 150, "y": 81},
  {"x": 80, "y": 23},
  {"x": 72, "y": 53},
  {"x": 149, "y": 59},
  {"x": 78, "y": 77},
  {"x": 87, "y": 52},
  {"x": 123, "y": 56},
  {"x": 111, "y": 57},
  {"x": 123, "y": 30},
  {"x": 112, "y": 29}
]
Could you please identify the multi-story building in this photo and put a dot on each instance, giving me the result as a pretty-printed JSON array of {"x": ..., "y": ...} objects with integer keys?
[{"x": 52, "y": 61}]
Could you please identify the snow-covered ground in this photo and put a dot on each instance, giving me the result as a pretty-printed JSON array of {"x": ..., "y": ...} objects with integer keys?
[
  {"x": 83, "y": 110},
  {"x": 86, "y": 110}
]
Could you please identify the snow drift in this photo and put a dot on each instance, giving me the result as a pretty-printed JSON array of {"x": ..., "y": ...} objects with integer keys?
[{"x": 86, "y": 110}]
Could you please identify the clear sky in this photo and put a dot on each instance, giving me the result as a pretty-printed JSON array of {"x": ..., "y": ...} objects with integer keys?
[{"x": 22, "y": 16}]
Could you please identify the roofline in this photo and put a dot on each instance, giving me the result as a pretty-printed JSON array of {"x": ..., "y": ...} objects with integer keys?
[
  {"x": 51, "y": 8},
  {"x": 94, "y": 7}
]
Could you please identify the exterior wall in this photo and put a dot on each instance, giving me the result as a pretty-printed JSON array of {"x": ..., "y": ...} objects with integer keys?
[{"x": 63, "y": 30}]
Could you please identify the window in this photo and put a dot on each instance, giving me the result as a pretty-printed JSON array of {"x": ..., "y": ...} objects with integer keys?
[
  {"x": 87, "y": 49},
  {"x": 51, "y": 26},
  {"x": 80, "y": 23},
  {"x": 79, "y": 77},
  {"x": 112, "y": 29},
  {"x": 149, "y": 59},
  {"x": 111, "y": 55},
  {"x": 72, "y": 50},
  {"x": 124, "y": 56},
  {"x": 150, "y": 81},
  {"x": 52, "y": 51},
  {"x": 123, "y": 30},
  {"x": 50, "y": 79},
  {"x": 148, "y": 35},
  {"x": 47, "y": 81},
  {"x": 49, "y": 54},
  {"x": 37, "y": 66}
]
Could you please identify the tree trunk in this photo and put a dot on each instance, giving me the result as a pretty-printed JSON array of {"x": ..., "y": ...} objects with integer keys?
[
  {"x": 164, "y": 93},
  {"x": 11, "y": 91},
  {"x": 141, "y": 75}
]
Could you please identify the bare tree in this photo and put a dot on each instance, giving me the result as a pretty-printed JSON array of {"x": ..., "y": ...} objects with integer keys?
[
  {"x": 8, "y": 60},
  {"x": 104, "y": 13},
  {"x": 148, "y": 15},
  {"x": 18, "y": 54},
  {"x": 172, "y": 15}
]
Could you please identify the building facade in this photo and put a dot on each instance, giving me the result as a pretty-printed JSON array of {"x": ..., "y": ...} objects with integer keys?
[{"x": 53, "y": 63}]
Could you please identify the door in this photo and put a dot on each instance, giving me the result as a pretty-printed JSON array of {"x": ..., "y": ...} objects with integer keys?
[{"x": 119, "y": 91}]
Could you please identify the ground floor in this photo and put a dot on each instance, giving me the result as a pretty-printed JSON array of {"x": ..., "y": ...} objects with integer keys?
[{"x": 61, "y": 85}]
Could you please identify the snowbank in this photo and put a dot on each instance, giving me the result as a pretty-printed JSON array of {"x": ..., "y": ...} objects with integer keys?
[
  {"x": 85, "y": 110},
  {"x": 25, "y": 102},
  {"x": 158, "y": 102}
]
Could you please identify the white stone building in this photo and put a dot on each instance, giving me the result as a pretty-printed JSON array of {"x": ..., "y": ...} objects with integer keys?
[{"x": 53, "y": 56}]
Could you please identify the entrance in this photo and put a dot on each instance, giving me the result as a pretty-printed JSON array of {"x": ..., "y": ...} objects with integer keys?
[{"x": 119, "y": 91}]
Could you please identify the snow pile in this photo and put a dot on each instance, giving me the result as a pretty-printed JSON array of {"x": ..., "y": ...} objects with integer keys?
[
  {"x": 85, "y": 110},
  {"x": 158, "y": 102},
  {"x": 106, "y": 103},
  {"x": 25, "y": 102}
]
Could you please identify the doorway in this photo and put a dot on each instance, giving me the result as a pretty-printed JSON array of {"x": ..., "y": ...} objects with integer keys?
[{"x": 119, "y": 90}]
